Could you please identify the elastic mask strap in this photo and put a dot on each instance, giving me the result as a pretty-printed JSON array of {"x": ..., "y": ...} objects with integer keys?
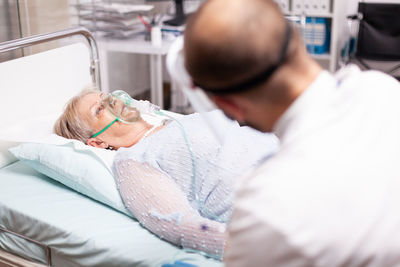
[
  {"x": 105, "y": 128},
  {"x": 258, "y": 79}
]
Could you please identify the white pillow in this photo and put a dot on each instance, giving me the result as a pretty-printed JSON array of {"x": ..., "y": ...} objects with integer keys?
[
  {"x": 24, "y": 131},
  {"x": 5, "y": 156},
  {"x": 104, "y": 155},
  {"x": 83, "y": 168},
  {"x": 38, "y": 130}
]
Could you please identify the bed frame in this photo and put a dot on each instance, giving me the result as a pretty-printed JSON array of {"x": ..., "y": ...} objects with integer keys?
[
  {"x": 11, "y": 260},
  {"x": 38, "y": 85},
  {"x": 47, "y": 37},
  {"x": 7, "y": 259}
]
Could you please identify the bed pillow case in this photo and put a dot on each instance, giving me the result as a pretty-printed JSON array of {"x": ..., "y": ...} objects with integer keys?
[
  {"x": 85, "y": 169},
  {"x": 6, "y": 157},
  {"x": 23, "y": 131}
]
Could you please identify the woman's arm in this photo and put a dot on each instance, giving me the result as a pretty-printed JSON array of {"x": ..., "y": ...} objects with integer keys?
[{"x": 161, "y": 206}]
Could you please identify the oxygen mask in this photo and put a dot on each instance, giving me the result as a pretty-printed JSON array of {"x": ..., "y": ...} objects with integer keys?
[
  {"x": 125, "y": 109},
  {"x": 121, "y": 106}
]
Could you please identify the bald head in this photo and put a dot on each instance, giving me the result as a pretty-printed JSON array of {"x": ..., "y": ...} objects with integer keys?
[
  {"x": 229, "y": 41},
  {"x": 234, "y": 45}
]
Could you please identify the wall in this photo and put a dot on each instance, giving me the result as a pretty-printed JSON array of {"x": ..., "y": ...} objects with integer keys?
[
  {"x": 43, "y": 16},
  {"x": 9, "y": 26}
]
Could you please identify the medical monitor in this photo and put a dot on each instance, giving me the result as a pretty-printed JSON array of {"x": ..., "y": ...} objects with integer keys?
[{"x": 179, "y": 15}]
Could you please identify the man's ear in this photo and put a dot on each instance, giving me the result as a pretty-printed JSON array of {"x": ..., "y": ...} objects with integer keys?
[
  {"x": 95, "y": 142},
  {"x": 231, "y": 106}
]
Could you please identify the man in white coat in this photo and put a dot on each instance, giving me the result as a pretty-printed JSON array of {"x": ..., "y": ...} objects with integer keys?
[{"x": 331, "y": 195}]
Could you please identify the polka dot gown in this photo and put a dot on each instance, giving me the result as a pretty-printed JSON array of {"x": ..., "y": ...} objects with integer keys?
[{"x": 156, "y": 180}]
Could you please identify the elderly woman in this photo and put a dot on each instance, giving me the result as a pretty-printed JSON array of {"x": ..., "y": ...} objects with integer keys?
[{"x": 175, "y": 177}]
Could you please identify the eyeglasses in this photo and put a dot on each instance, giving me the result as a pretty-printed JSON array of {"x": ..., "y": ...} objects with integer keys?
[{"x": 120, "y": 105}]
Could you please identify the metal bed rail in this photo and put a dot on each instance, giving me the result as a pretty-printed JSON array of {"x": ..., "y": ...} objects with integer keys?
[
  {"x": 44, "y": 246},
  {"x": 94, "y": 72},
  {"x": 47, "y": 37}
]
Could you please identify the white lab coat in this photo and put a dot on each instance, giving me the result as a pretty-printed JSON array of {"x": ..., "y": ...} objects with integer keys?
[{"x": 331, "y": 196}]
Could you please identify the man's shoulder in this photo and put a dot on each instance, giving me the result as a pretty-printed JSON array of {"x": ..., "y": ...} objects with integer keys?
[
  {"x": 368, "y": 79},
  {"x": 378, "y": 77},
  {"x": 283, "y": 168}
]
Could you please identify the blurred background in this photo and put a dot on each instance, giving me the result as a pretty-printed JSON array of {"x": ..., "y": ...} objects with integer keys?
[
  {"x": 326, "y": 31},
  {"x": 22, "y": 18}
]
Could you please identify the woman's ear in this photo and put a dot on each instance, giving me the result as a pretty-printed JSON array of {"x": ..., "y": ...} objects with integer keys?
[
  {"x": 95, "y": 142},
  {"x": 231, "y": 106}
]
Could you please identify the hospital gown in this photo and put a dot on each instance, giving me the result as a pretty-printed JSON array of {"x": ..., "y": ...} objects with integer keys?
[{"x": 155, "y": 178}]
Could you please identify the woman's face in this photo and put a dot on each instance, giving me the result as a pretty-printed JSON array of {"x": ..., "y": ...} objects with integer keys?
[{"x": 97, "y": 117}]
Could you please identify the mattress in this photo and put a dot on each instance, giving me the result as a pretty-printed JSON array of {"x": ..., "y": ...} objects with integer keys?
[{"x": 77, "y": 230}]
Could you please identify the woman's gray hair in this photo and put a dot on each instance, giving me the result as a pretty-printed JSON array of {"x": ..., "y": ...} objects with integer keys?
[{"x": 70, "y": 124}]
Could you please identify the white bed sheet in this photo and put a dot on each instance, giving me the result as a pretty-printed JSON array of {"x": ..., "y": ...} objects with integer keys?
[{"x": 79, "y": 231}]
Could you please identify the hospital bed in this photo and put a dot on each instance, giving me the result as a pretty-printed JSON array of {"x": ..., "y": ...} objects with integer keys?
[{"x": 44, "y": 222}]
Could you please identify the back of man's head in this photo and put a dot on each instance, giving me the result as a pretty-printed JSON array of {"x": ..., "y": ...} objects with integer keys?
[
  {"x": 231, "y": 41},
  {"x": 247, "y": 50}
]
